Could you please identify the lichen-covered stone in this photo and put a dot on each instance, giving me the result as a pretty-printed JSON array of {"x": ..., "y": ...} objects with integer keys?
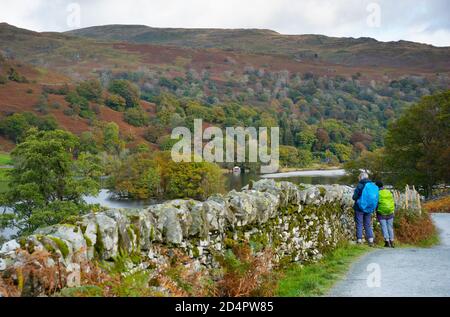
[
  {"x": 70, "y": 235},
  {"x": 107, "y": 243}
]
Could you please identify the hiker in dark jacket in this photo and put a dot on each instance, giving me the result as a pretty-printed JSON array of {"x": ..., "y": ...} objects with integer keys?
[{"x": 362, "y": 218}]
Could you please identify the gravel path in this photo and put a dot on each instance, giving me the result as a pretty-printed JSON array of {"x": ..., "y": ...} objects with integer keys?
[{"x": 408, "y": 272}]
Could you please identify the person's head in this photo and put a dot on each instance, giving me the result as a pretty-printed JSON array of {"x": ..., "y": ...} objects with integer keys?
[
  {"x": 379, "y": 184},
  {"x": 362, "y": 176}
]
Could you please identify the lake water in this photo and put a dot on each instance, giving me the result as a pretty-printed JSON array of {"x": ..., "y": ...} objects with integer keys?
[
  {"x": 314, "y": 177},
  {"x": 233, "y": 181}
]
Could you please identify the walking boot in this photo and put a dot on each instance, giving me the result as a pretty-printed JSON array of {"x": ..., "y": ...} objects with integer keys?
[
  {"x": 391, "y": 243},
  {"x": 387, "y": 244}
]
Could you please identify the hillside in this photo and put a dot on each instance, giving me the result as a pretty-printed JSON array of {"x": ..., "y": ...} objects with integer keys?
[
  {"x": 23, "y": 95},
  {"x": 332, "y": 98},
  {"x": 345, "y": 51}
]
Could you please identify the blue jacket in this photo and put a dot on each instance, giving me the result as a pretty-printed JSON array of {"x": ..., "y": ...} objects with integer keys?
[{"x": 358, "y": 192}]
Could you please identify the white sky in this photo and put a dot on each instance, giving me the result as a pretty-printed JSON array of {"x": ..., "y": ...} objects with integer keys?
[{"x": 425, "y": 21}]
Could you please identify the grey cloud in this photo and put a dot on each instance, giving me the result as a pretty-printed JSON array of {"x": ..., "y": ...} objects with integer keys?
[{"x": 421, "y": 20}]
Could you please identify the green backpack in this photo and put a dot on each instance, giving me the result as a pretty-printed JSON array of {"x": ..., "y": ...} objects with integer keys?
[{"x": 386, "y": 204}]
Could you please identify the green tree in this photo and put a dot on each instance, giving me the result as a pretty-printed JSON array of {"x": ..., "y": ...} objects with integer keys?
[
  {"x": 289, "y": 156},
  {"x": 47, "y": 183},
  {"x": 74, "y": 99},
  {"x": 305, "y": 158},
  {"x": 372, "y": 162},
  {"x": 192, "y": 180},
  {"x": 115, "y": 102},
  {"x": 111, "y": 138},
  {"x": 306, "y": 138},
  {"x": 342, "y": 151},
  {"x": 90, "y": 90},
  {"x": 88, "y": 143},
  {"x": 17, "y": 125},
  {"x": 138, "y": 177},
  {"x": 418, "y": 144},
  {"x": 136, "y": 117},
  {"x": 126, "y": 90}
]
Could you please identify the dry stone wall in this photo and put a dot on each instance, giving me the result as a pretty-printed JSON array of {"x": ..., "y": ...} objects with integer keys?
[{"x": 300, "y": 223}]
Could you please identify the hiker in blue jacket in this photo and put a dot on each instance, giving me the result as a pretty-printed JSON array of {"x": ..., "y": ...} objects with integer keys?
[{"x": 363, "y": 217}]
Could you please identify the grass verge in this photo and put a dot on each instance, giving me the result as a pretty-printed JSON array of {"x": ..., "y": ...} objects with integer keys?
[{"x": 317, "y": 278}]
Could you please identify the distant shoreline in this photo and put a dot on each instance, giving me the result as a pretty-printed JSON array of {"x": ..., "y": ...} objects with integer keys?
[{"x": 329, "y": 173}]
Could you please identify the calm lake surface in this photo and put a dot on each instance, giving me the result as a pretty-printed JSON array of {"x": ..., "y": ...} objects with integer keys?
[{"x": 233, "y": 181}]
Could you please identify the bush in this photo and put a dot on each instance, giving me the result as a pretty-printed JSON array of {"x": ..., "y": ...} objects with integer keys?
[
  {"x": 438, "y": 205},
  {"x": 166, "y": 143},
  {"x": 90, "y": 90},
  {"x": 152, "y": 133},
  {"x": 76, "y": 100},
  {"x": 245, "y": 274},
  {"x": 17, "y": 125},
  {"x": 42, "y": 104},
  {"x": 412, "y": 228},
  {"x": 126, "y": 90},
  {"x": 13, "y": 75},
  {"x": 56, "y": 105},
  {"x": 69, "y": 112},
  {"x": 56, "y": 90},
  {"x": 136, "y": 117},
  {"x": 115, "y": 102}
]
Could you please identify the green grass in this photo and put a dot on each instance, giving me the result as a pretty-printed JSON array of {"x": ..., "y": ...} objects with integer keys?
[
  {"x": 5, "y": 159},
  {"x": 317, "y": 278}
]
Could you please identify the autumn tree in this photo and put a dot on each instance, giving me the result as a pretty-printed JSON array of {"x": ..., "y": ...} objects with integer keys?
[
  {"x": 418, "y": 144},
  {"x": 125, "y": 89}
]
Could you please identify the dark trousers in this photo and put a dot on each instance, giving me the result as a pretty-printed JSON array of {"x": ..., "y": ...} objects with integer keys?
[{"x": 363, "y": 219}]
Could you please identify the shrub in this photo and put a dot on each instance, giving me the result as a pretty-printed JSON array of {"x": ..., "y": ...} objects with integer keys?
[
  {"x": 90, "y": 90},
  {"x": 56, "y": 105},
  {"x": 76, "y": 100},
  {"x": 69, "y": 112},
  {"x": 13, "y": 75},
  {"x": 412, "y": 228},
  {"x": 153, "y": 132},
  {"x": 56, "y": 90},
  {"x": 115, "y": 102},
  {"x": 136, "y": 117},
  {"x": 438, "y": 205},
  {"x": 15, "y": 126},
  {"x": 126, "y": 90},
  {"x": 42, "y": 104},
  {"x": 166, "y": 143},
  {"x": 246, "y": 274},
  {"x": 35, "y": 277}
]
